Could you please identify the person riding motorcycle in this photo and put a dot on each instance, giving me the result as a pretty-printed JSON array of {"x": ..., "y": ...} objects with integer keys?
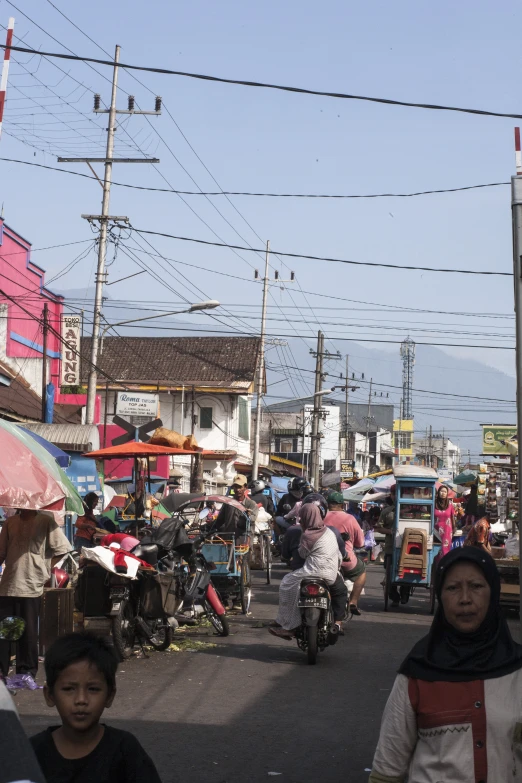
[
  {"x": 257, "y": 494},
  {"x": 298, "y": 488}
]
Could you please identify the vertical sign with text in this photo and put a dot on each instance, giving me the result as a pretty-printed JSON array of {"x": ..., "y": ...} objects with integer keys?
[{"x": 71, "y": 335}]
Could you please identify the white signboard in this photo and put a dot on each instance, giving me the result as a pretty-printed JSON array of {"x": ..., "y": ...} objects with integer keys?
[
  {"x": 137, "y": 404},
  {"x": 445, "y": 474},
  {"x": 71, "y": 334}
]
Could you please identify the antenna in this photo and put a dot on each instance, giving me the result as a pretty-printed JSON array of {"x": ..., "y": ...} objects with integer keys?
[{"x": 408, "y": 362}]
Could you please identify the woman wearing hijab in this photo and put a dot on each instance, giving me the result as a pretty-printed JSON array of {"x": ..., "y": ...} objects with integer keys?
[
  {"x": 444, "y": 519},
  {"x": 320, "y": 550},
  {"x": 455, "y": 710}
]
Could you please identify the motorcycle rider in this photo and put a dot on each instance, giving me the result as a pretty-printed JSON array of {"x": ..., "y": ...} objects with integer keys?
[
  {"x": 257, "y": 494},
  {"x": 298, "y": 488}
]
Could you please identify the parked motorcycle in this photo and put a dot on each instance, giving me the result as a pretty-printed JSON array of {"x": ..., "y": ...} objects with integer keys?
[
  {"x": 201, "y": 598},
  {"x": 317, "y": 630}
]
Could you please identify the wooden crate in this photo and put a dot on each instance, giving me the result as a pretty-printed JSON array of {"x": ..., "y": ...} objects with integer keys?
[{"x": 56, "y": 615}]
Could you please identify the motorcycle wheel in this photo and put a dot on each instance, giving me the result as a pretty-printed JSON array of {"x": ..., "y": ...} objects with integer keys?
[
  {"x": 123, "y": 630},
  {"x": 311, "y": 640},
  {"x": 245, "y": 582},
  {"x": 219, "y": 621},
  {"x": 162, "y": 638}
]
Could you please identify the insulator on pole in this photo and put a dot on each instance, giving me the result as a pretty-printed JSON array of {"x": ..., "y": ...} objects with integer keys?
[
  {"x": 97, "y": 101},
  {"x": 131, "y": 103},
  {"x": 157, "y": 106},
  {"x": 276, "y": 275}
]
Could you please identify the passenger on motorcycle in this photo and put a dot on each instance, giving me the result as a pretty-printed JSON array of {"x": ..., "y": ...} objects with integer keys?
[
  {"x": 257, "y": 494},
  {"x": 352, "y": 567},
  {"x": 320, "y": 551}
]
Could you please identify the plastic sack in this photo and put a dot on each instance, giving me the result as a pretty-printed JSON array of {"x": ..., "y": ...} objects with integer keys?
[
  {"x": 512, "y": 546},
  {"x": 105, "y": 558},
  {"x": 376, "y": 551}
]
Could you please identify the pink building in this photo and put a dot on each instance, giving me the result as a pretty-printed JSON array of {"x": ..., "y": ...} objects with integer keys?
[{"x": 22, "y": 298}]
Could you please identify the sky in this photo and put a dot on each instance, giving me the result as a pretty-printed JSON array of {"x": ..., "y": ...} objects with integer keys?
[{"x": 459, "y": 54}]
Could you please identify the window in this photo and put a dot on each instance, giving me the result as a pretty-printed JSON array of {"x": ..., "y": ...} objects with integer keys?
[
  {"x": 244, "y": 419},
  {"x": 402, "y": 440},
  {"x": 205, "y": 418}
]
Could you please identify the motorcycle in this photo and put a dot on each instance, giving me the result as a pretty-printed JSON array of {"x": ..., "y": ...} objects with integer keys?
[
  {"x": 139, "y": 610},
  {"x": 201, "y": 598},
  {"x": 317, "y": 630}
]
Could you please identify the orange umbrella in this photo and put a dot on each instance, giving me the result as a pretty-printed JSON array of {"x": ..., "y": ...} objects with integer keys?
[{"x": 137, "y": 449}]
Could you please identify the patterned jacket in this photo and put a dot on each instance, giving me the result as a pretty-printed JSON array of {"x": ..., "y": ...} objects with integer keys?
[{"x": 435, "y": 732}]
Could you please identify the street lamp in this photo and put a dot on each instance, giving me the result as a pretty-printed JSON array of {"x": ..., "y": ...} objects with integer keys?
[{"x": 209, "y": 304}]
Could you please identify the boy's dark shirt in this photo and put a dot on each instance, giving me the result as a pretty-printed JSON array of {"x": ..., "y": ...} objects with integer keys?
[{"x": 118, "y": 758}]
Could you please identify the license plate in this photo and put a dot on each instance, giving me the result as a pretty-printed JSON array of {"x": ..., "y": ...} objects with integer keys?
[{"x": 315, "y": 603}]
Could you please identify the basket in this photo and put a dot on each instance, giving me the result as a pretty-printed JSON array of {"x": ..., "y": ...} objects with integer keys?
[{"x": 159, "y": 596}]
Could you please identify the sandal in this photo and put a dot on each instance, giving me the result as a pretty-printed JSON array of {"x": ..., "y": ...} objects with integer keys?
[{"x": 281, "y": 633}]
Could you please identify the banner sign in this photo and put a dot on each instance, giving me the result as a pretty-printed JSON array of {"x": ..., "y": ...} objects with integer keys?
[
  {"x": 445, "y": 474},
  {"x": 497, "y": 439},
  {"x": 137, "y": 404},
  {"x": 71, "y": 334},
  {"x": 347, "y": 467}
]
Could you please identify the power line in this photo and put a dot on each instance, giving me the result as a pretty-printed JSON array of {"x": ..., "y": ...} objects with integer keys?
[
  {"x": 265, "y": 195},
  {"x": 323, "y": 258},
  {"x": 266, "y": 85}
]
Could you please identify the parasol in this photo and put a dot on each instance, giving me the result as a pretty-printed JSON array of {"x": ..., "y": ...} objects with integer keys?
[
  {"x": 73, "y": 501},
  {"x": 60, "y": 456},
  {"x": 357, "y": 491},
  {"x": 25, "y": 481},
  {"x": 467, "y": 477},
  {"x": 137, "y": 449}
]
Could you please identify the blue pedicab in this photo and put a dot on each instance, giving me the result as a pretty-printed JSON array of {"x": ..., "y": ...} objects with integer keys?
[
  {"x": 227, "y": 545},
  {"x": 414, "y": 546}
]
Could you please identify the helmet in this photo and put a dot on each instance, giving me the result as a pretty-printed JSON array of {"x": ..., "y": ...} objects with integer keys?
[
  {"x": 258, "y": 485},
  {"x": 318, "y": 500},
  {"x": 307, "y": 489},
  {"x": 297, "y": 484}
]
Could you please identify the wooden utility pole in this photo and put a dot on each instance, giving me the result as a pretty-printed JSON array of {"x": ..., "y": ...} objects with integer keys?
[
  {"x": 368, "y": 418},
  {"x": 315, "y": 446},
  {"x": 347, "y": 420}
]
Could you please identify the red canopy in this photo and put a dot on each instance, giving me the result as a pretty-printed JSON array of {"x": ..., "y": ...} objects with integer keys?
[{"x": 136, "y": 449}]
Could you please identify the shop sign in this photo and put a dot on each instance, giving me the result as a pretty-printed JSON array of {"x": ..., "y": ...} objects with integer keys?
[
  {"x": 495, "y": 439},
  {"x": 137, "y": 404},
  {"x": 445, "y": 474},
  {"x": 71, "y": 335},
  {"x": 347, "y": 467}
]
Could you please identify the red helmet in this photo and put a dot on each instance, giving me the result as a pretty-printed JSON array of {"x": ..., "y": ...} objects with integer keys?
[{"x": 59, "y": 577}]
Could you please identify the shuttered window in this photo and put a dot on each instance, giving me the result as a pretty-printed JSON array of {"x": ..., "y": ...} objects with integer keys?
[
  {"x": 244, "y": 419},
  {"x": 205, "y": 418}
]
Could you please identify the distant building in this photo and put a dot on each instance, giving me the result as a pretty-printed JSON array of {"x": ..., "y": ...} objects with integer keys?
[
  {"x": 438, "y": 452},
  {"x": 403, "y": 440},
  {"x": 204, "y": 387},
  {"x": 286, "y": 431}
]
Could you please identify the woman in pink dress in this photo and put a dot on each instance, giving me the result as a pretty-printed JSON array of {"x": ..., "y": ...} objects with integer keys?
[{"x": 444, "y": 519}]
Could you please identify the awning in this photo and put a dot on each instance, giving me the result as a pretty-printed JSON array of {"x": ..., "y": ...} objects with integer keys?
[{"x": 69, "y": 437}]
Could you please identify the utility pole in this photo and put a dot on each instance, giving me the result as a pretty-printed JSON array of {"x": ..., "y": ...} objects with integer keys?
[
  {"x": 5, "y": 68},
  {"x": 368, "y": 418},
  {"x": 315, "y": 446},
  {"x": 347, "y": 420},
  {"x": 516, "y": 211},
  {"x": 45, "y": 330},
  {"x": 431, "y": 446},
  {"x": 105, "y": 217},
  {"x": 315, "y": 442},
  {"x": 261, "y": 359}
]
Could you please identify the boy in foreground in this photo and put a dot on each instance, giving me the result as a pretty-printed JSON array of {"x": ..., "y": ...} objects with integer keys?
[{"x": 80, "y": 671}]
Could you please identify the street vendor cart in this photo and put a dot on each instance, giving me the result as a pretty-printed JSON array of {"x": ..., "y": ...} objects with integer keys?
[{"x": 414, "y": 547}]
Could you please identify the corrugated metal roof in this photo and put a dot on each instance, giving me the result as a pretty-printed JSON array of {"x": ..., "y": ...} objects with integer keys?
[{"x": 69, "y": 437}]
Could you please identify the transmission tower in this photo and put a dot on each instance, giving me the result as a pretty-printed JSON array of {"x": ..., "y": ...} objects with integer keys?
[{"x": 408, "y": 361}]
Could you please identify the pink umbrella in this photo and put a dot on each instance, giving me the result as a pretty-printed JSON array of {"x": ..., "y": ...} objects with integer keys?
[{"x": 25, "y": 482}]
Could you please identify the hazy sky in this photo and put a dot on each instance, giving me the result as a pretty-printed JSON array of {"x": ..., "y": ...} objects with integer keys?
[{"x": 461, "y": 54}]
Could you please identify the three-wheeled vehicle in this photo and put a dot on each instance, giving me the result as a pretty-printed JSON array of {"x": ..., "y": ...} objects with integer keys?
[{"x": 414, "y": 546}]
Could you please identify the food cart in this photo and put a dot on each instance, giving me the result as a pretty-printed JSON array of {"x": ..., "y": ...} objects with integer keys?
[{"x": 414, "y": 548}]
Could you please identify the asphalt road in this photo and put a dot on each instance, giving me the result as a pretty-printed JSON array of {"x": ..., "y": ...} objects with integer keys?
[{"x": 251, "y": 706}]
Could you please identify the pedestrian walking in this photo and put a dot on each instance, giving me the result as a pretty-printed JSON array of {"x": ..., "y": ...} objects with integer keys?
[
  {"x": 30, "y": 544},
  {"x": 454, "y": 713},
  {"x": 444, "y": 519}
]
